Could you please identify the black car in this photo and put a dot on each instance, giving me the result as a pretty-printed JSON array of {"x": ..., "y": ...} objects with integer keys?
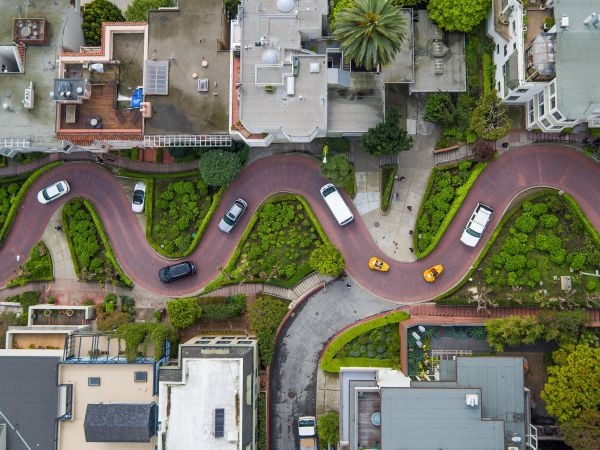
[{"x": 176, "y": 271}]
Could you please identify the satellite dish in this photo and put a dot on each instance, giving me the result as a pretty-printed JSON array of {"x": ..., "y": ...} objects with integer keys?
[{"x": 79, "y": 90}]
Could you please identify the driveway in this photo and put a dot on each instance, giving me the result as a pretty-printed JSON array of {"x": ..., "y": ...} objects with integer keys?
[{"x": 294, "y": 366}]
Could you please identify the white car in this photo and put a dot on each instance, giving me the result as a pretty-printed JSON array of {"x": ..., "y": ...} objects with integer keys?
[
  {"x": 477, "y": 224},
  {"x": 53, "y": 192},
  {"x": 139, "y": 197}
]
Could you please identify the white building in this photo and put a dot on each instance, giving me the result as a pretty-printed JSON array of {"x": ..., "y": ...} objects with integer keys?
[{"x": 551, "y": 70}]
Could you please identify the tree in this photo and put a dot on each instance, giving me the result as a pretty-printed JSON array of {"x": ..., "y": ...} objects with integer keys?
[
  {"x": 265, "y": 315},
  {"x": 370, "y": 32},
  {"x": 137, "y": 11},
  {"x": 327, "y": 259},
  {"x": 338, "y": 169},
  {"x": 387, "y": 138},
  {"x": 219, "y": 167},
  {"x": 328, "y": 426},
  {"x": 183, "y": 312},
  {"x": 484, "y": 151},
  {"x": 440, "y": 108},
  {"x": 573, "y": 385},
  {"x": 94, "y": 14},
  {"x": 490, "y": 118},
  {"x": 582, "y": 433},
  {"x": 458, "y": 16}
]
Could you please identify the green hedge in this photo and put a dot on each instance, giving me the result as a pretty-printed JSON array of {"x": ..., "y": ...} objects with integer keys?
[
  {"x": 329, "y": 363},
  {"x": 487, "y": 70},
  {"x": 445, "y": 298},
  {"x": 222, "y": 308},
  {"x": 459, "y": 197},
  {"x": 221, "y": 280},
  {"x": 18, "y": 199},
  {"x": 388, "y": 174},
  {"x": 37, "y": 268}
]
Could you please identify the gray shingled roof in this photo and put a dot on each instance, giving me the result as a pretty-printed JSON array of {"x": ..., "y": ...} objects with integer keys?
[
  {"x": 29, "y": 400},
  {"x": 119, "y": 422}
]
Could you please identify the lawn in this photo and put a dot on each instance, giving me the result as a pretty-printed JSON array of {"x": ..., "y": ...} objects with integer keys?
[{"x": 542, "y": 239}]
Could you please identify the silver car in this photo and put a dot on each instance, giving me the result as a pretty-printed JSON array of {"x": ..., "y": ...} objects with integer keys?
[{"x": 233, "y": 215}]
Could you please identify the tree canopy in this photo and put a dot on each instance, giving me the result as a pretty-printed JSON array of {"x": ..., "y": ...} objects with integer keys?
[
  {"x": 183, "y": 312},
  {"x": 370, "y": 32},
  {"x": 458, "y": 16},
  {"x": 582, "y": 433},
  {"x": 137, "y": 11},
  {"x": 94, "y": 13},
  {"x": 338, "y": 169},
  {"x": 387, "y": 138},
  {"x": 328, "y": 425},
  {"x": 219, "y": 167},
  {"x": 490, "y": 118},
  {"x": 573, "y": 385},
  {"x": 328, "y": 260}
]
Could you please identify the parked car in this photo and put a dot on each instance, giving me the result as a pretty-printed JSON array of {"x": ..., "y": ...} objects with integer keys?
[
  {"x": 177, "y": 271},
  {"x": 233, "y": 215},
  {"x": 139, "y": 197},
  {"x": 53, "y": 192}
]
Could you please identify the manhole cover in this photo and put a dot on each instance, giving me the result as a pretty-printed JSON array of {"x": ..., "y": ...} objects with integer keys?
[{"x": 376, "y": 224}]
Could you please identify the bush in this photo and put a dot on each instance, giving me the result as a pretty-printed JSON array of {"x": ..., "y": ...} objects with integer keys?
[
  {"x": 136, "y": 334},
  {"x": 328, "y": 429},
  {"x": 219, "y": 167},
  {"x": 37, "y": 268},
  {"x": 137, "y": 11},
  {"x": 108, "y": 321},
  {"x": 183, "y": 312},
  {"x": 387, "y": 138},
  {"x": 265, "y": 315},
  {"x": 110, "y": 303},
  {"x": 338, "y": 169},
  {"x": 327, "y": 260},
  {"x": 222, "y": 308},
  {"x": 26, "y": 299}
]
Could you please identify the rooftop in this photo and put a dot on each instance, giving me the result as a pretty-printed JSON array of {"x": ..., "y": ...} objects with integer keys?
[
  {"x": 116, "y": 383},
  {"x": 577, "y": 61},
  {"x": 194, "y": 42},
  {"x": 28, "y": 400},
  {"x": 189, "y": 420},
  {"x": 17, "y": 122}
]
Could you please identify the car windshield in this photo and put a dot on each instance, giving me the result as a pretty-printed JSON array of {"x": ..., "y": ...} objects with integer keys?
[
  {"x": 138, "y": 197},
  {"x": 473, "y": 232}
]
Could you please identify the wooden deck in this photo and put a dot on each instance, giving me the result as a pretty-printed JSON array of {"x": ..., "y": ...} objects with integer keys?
[
  {"x": 369, "y": 435},
  {"x": 102, "y": 104},
  {"x": 59, "y": 317}
]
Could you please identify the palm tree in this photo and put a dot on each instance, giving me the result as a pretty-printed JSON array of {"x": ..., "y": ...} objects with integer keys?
[{"x": 370, "y": 32}]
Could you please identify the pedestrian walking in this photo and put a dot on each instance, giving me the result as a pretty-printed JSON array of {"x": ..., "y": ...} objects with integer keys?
[
  {"x": 410, "y": 232},
  {"x": 411, "y": 249},
  {"x": 401, "y": 178},
  {"x": 348, "y": 285},
  {"x": 58, "y": 227},
  {"x": 396, "y": 195},
  {"x": 18, "y": 258},
  {"x": 409, "y": 208}
]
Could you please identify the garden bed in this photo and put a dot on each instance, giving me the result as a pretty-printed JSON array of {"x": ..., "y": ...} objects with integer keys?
[
  {"x": 545, "y": 238},
  {"x": 37, "y": 268}
]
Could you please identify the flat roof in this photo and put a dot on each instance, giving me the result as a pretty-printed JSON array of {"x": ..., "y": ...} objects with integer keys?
[
  {"x": 296, "y": 112},
  {"x": 187, "y": 408},
  {"x": 577, "y": 61},
  {"x": 16, "y": 122},
  {"x": 29, "y": 400},
  {"x": 191, "y": 40}
]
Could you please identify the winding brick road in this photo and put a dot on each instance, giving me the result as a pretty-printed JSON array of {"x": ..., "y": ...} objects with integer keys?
[{"x": 505, "y": 178}]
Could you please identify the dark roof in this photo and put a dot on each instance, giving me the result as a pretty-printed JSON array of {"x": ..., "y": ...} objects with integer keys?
[
  {"x": 29, "y": 400},
  {"x": 119, "y": 422}
]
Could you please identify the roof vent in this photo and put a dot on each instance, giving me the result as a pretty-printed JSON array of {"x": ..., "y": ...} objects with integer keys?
[
  {"x": 564, "y": 21},
  {"x": 285, "y": 5},
  {"x": 472, "y": 400}
]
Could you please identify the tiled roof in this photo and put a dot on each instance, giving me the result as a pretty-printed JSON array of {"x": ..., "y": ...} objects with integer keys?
[{"x": 119, "y": 422}]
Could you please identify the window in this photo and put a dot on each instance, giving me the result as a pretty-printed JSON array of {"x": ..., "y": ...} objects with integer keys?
[
  {"x": 514, "y": 45},
  {"x": 93, "y": 381},
  {"x": 558, "y": 116},
  {"x": 140, "y": 377},
  {"x": 553, "y": 102},
  {"x": 552, "y": 88},
  {"x": 512, "y": 98},
  {"x": 505, "y": 50},
  {"x": 497, "y": 49},
  {"x": 522, "y": 90}
]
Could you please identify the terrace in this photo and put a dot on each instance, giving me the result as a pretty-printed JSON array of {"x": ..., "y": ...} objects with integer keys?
[{"x": 368, "y": 420}]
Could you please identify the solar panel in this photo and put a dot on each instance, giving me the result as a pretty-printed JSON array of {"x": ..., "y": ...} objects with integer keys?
[
  {"x": 156, "y": 77},
  {"x": 219, "y": 422}
]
